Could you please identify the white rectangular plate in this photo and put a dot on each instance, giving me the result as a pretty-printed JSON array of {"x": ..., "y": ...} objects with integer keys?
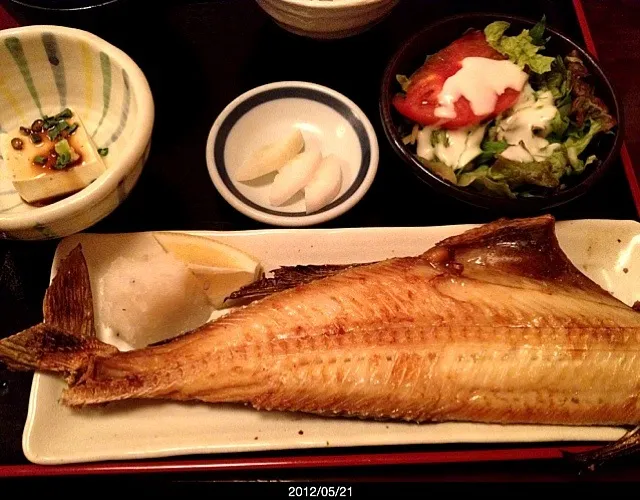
[{"x": 607, "y": 251}]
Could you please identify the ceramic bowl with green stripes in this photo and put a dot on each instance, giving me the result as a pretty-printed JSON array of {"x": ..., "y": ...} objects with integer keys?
[{"x": 44, "y": 69}]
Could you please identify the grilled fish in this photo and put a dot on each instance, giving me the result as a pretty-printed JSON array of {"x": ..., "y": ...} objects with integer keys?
[{"x": 494, "y": 325}]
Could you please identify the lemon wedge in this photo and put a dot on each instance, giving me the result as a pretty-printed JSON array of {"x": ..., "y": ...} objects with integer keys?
[{"x": 221, "y": 268}]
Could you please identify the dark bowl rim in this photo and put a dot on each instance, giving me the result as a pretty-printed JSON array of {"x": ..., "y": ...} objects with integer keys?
[
  {"x": 476, "y": 198},
  {"x": 25, "y": 4}
]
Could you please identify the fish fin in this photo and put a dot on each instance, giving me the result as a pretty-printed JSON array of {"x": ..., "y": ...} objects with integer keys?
[
  {"x": 627, "y": 445},
  {"x": 87, "y": 391},
  {"x": 16, "y": 352},
  {"x": 66, "y": 341},
  {"x": 522, "y": 247},
  {"x": 45, "y": 347},
  {"x": 514, "y": 247},
  {"x": 68, "y": 302},
  {"x": 284, "y": 278}
]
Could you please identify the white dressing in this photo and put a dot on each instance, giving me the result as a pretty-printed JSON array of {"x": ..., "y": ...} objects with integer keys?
[
  {"x": 450, "y": 151},
  {"x": 516, "y": 153},
  {"x": 519, "y": 153},
  {"x": 461, "y": 146},
  {"x": 480, "y": 81},
  {"x": 472, "y": 149},
  {"x": 526, "y": 127},
  {"x": 425, "y": 149}
]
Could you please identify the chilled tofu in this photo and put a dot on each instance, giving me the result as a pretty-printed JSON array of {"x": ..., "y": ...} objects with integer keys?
[{"x": 33, "y": 170}]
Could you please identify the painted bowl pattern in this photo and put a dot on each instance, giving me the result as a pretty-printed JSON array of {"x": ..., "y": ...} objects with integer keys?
[{"x": 48, "y": 68}]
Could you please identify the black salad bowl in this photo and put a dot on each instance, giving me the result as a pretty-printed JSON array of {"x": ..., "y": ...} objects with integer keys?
[{"x": 411, "y": 55}]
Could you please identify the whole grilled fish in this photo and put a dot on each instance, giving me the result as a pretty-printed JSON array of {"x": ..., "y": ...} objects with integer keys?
[{"x": 494, "y": 325}]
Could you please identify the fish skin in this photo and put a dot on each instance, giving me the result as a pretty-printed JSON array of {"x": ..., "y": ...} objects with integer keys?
[
  {"x": 495, "y": 325},
  {"x": 284, "y": 278}
]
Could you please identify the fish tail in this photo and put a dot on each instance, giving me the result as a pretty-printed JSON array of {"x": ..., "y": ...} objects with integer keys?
[
  {"x": 46, "y": 348},
  {"x": 65, "y": 341},
  {"x": 17, "y": 351}
]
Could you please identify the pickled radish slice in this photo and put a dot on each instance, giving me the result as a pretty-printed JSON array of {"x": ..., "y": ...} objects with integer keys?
[
  {"x": 325, "y": 184},
  {"x": 271, "y": 157},
  {"x": 311, "y": 144},
  {"x": 294, "y": 176}
]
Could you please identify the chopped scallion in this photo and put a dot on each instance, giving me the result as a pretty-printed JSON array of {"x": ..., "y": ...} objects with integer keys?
[
  {"x": 64, "y": 114},
  {"x": 62, "y": 161},
  {"x": 49, "y": 122},
  {"x": 54, "y": 132}
]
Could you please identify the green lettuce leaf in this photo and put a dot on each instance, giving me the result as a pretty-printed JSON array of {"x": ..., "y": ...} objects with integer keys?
[
  {"x": 591, "y": 159},
  {"x": 467, "y": 178},
  {"x": 479, "y": 180},
  {"x": 494, "y": 188},
  {"x": 440, "y": 169},
  {"x": 557, "y": 80},
  {"x": 403, "y": 81},
  {"x": 520, "y": 49},
  {"x": 516, "y": 174},
  {"x": 559, "y": 125},
  {"x": 559, "y": 162},
  {"x": 492, "y": 132},
  {"x": 440, "y": 136},
  {"x": 577, "y": 143},
  {"x": 537, "y": 32},
  {"x": 490, "y": 149},
  {"x": 580, "y": 142},
  {"x": 494, "y": 32}
]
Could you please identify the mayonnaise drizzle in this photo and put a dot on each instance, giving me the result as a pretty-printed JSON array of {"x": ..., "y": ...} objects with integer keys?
[
  {"x": 527, "y": 126},
  {"x": 461, "y": 146},
  {"x": 450, "y": 152},
  {"x": 424, "y": 148},
  {"x": 480, "y": 81}
]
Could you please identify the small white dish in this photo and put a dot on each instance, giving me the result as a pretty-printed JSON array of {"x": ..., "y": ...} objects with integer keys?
[{"x": 267, "y": 113}]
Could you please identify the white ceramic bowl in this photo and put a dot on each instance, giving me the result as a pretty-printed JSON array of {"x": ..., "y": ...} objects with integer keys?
[
  {"x": 267, "y": 113},
  {"x": 327, "y": 18},
  {"x": 48, "y": 68}
]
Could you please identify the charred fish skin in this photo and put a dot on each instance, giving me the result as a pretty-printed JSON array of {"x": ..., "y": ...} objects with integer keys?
[
  {"x": 495, "y": 325},
  {"x": 285, "y": 278},
  {"x": 65, "y": 342}
]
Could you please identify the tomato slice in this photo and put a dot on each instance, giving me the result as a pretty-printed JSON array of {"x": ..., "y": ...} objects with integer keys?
[{"x": 421, "y": 99}]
